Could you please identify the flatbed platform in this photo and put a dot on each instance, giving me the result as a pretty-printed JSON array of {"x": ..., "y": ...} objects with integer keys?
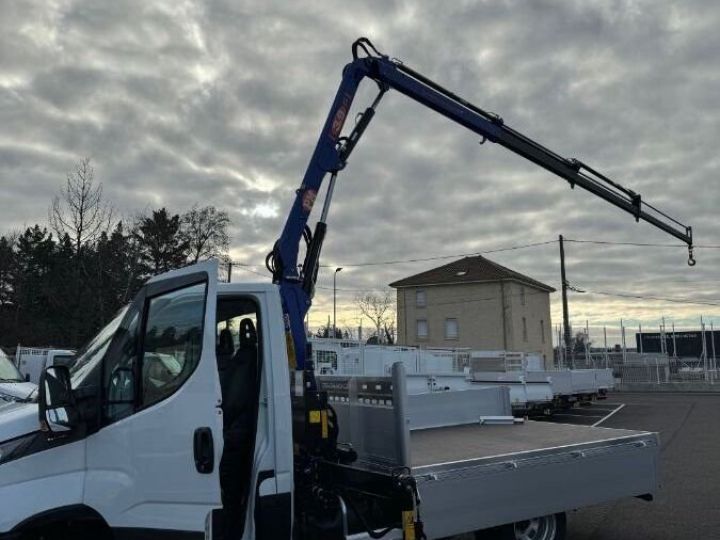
[
  {"x": 473, "y": 475},
  {"x": 450, "y": 445},
  {"x": 477, "y": 476}
]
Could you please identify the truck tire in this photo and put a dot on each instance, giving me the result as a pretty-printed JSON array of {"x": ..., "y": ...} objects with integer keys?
[{"x": 551, "y": 527}]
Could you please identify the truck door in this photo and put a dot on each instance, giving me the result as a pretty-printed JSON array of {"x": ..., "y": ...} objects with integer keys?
[{"x": 152, "y": 466}]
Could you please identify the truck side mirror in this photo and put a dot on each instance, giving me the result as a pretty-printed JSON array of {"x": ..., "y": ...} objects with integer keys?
[
  {"x": 56, "y": 403},
  {"x": 27, "y": 377}
]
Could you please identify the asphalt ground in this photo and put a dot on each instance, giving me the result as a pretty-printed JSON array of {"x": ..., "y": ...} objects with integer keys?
[
  {"x": 595, "y": 413},
  {"x": 688, "y": 504}
]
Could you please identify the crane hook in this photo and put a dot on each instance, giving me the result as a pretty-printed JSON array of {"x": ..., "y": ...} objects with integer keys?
[{"x": 691, "y": 258}]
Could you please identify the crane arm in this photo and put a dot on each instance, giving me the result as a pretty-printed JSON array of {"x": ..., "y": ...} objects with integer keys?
[{"x": 333, "y": 150}]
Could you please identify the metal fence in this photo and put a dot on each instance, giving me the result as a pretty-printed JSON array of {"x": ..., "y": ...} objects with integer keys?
[
  {"x": 351, "y": 357},
  {"x": 669, "y": 358},
  {"x": 661, "y": 371},
  {"x": 652, "y": 369}
]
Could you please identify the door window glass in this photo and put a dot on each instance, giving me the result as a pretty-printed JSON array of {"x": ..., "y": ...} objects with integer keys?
[
  {"x": 90, "y": 356},
  {"x": 8, "y": 372},
  {"x": 172, "y": 341},
  {"x": 118, "y": 370}
]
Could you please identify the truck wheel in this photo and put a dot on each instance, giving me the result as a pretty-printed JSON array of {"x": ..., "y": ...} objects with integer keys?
[{"x": 551, "y": 527}]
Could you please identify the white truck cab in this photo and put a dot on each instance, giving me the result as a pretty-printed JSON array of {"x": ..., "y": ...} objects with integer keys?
[{"x": 136, "y": 447}]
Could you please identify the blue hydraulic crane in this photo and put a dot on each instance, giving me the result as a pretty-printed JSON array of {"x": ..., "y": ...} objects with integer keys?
[{"x": 333, "y": 150}]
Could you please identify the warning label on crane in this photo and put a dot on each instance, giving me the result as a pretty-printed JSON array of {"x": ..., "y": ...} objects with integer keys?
[
  {"x": 339, "y": 119},
  {"x": 308, "y": 200}
]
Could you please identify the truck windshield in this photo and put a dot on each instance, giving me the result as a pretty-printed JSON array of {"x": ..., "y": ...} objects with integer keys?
[
  {"x": 92, "y": 353},
  {"x": 8, "y": 372}
]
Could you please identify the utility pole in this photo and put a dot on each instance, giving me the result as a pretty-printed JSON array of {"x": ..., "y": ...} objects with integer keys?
[
  {"x": 712, "y": 342},
  {"x": 334, "y": 330},
  {"x": 606, "y": 348},
  {"x": 664, "y": 337},
  {"x": 704, "y": 347},
  {"x": 566, "y": 315}
]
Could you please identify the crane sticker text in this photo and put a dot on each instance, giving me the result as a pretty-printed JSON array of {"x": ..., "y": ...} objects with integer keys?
[
  {"x": 308, "y": 200},
  {"x": 339, "y": 119}
]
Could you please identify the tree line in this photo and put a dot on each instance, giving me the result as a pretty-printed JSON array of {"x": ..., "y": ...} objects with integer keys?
[
  {"x": 61, "y": 282},
  {"x": 379, "y": 308}
]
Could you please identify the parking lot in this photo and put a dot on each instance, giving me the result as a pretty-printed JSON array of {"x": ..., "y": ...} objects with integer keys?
[
  {"x": 688, "y": 505},
  {"x": 594, "y": 414}
]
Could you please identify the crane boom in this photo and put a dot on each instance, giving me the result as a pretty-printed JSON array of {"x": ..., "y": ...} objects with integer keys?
[{"x": 333, "y": 150}]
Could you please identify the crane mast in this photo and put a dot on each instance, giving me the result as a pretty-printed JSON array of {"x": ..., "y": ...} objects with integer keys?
[{"x": 297, "y": 283}]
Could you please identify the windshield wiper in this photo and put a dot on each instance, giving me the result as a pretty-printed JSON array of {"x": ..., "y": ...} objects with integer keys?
[{"x": 11, "y": 380}]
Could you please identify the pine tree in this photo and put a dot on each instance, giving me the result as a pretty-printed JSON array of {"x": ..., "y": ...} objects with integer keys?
[{"x": 161, "y": 244}]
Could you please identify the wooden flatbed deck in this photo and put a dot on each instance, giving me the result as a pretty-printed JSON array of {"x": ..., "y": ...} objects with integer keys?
[{"x": 475, "y": 442}]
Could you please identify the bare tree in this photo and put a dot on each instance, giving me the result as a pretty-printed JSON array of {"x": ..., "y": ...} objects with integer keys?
[
  {"x": 379, "y": 309},
  {"x": 79, "y": 210},
  {"x": 349, "y": 332},
  {"x": 205, "y": 231},
  {"x": 389, "y": 332}
]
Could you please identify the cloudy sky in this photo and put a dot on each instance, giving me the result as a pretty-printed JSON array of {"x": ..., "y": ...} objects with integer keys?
[{"x": 221, "y": 102}]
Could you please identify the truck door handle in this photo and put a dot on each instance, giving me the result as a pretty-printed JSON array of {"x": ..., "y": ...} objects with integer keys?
[{"x": 204, "y": 450}]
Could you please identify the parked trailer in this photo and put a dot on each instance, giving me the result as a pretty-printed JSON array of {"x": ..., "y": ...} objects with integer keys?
[
  {"x": 533, "y": 390},
  {"x": 32, "y": 361},
  {"x": 429, "y": 370}
]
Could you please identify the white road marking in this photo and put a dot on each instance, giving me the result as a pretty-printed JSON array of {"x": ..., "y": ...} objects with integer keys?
[{"x": 619, "y": 408}]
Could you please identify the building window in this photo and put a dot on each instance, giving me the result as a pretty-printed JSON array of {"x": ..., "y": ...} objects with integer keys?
[
  {"x": 542, "y": 330},
  {"x": 422, "y": 329},
  {"x": 524, "y": 320},
  {"x": 451, "y": 328},
  {"x": 420, "y": 298},
  {"x": 522, "y": 295}
]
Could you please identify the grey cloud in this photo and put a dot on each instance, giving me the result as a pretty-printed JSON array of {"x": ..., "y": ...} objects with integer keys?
[{"x": 222, "y": 102}]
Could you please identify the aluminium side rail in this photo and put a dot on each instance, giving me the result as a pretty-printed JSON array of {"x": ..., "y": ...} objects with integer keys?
[{"x": 475, "y": 475}]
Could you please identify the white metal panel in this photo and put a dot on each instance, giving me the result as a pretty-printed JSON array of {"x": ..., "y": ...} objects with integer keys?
[
  {"x": 40, "y": 482},
  {"x": 141, "y": 470}
]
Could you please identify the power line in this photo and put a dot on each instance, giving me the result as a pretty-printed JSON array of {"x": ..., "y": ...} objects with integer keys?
[
  {"x": 640, "y": 244},
  {"x": 714, "y": 303},
  {"x": 339, "y": 289},
  {"x": 489, "y": 251},
  {"x": 247, "y": 268},
  {"x": 418, "y": 259},
  {"x": 440, "y": 257}
]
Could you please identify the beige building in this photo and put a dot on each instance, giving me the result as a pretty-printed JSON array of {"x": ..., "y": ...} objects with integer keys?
[{"x": 475, "y": 303}]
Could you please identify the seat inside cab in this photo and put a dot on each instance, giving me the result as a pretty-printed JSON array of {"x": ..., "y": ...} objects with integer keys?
[{"x": 239, "y": 362}]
